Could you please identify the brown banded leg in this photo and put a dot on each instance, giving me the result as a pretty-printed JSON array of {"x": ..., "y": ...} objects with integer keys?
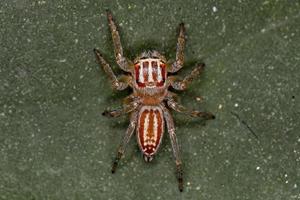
[
  {"x": 175, "y": 146},
  {"x": 121, "y": 111},
  {"x": 120, "y": 83},
  {"x": 130, "y": 104},
  {"x": 178, "y": 84},
  {"x": 172, "y": 103},
  {"x": 178, "y": 64},
  {"x": 125, "y": 140},
  {"x": 120, "y": 59}
]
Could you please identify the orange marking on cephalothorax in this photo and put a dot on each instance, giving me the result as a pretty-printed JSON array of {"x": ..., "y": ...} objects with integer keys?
[{"x": 150, "y": 72}]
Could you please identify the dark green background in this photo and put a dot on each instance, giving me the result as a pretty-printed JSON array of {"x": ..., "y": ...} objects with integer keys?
[{"x": 54, "y": 143}]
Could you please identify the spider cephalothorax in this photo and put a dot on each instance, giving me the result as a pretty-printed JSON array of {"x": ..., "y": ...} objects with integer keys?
[
  {"x": 150, "y": 72},
  {"x": 150, "y": 76}
]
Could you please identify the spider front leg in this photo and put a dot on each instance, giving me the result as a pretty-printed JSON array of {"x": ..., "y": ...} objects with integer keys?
[
  {"x": 178, "y": 64},
  {"x": 175, "y": 146},
  {"x": 179, "y": 84},
  {"x": 120, "y": 83},
  {"x": 123, "y": 62},
  {"x": 130, "y": 104},
  {"x": 125, "y": 140},
  {"x": 173, "y": 103}
]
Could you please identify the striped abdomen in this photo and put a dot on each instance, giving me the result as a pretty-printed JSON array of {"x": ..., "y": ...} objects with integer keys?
[{"x": 150, "y": 130}]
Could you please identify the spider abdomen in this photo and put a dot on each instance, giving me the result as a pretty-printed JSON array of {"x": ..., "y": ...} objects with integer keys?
[{"x": 150, "y": 130}]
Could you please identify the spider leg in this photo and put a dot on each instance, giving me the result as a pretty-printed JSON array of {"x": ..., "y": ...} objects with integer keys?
[
  {"x": 175, "y": 146},
  {"x": 123, "y": 62},
  {"x": 120, "y": 83},
  {"x": 121, "y": 111},
  {"x": 179, "y": 84},
  {"x": 130, "y": 104},
  {"x": 125, "y": 140},
  {"x": 178, "y": 64},
  {"x": 173, "y": 103}
]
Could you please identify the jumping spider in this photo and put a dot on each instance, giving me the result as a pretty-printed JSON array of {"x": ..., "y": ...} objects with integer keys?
[{"x": 150, "y": 76}]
